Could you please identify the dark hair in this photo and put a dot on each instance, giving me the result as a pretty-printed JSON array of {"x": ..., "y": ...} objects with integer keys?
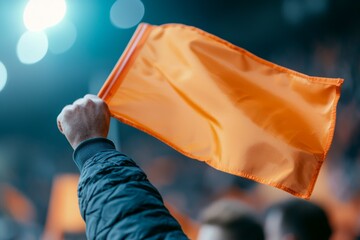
[
  {"x": 303, "y": 219},
  {"x": 237, "y": 219}
]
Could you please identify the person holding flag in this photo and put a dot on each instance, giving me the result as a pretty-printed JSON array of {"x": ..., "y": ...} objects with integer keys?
[{"x": 116, "y": 199}]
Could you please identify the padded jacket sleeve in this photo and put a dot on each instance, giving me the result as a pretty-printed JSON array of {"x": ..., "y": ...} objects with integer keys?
[{"x": 116, "y": 199}]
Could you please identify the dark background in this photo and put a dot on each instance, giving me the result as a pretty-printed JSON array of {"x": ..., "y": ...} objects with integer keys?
[{"x": 316, "y": 37}]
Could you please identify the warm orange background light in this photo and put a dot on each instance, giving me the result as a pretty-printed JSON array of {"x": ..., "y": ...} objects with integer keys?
[{"x": 64, "y": 214}]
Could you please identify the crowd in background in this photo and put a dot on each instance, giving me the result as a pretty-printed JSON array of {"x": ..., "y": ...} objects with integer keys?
[{"x": 27, "y": 170}]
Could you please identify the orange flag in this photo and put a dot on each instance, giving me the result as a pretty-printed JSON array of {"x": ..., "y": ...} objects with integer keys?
[{"x": 220, "y": 104}]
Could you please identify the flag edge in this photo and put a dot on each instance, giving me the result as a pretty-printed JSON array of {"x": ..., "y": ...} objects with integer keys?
[{"x": 280, "y": 186}]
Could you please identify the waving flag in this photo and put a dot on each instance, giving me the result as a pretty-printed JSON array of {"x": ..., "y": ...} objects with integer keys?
[{"x": 220, "y": 104}]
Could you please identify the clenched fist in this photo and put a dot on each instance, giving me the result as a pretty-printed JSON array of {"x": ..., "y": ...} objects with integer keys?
[{"x": 86, "y": 118}]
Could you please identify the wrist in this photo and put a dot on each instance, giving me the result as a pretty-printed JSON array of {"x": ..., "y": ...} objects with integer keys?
[
  {"x": 78, "y": 139},
  {"x": 88, "y": 148}
]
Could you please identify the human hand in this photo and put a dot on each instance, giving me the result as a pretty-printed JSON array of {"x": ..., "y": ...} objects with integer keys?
[{"x": 86, "y": 118}]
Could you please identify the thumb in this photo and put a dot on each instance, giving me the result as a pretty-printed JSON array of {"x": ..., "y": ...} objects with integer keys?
[{"x": 59, "y": 125}]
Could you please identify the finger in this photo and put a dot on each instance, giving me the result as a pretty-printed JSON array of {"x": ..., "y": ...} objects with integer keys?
[
  {"x": 58, "y": 121},
  {"x": 98, "y": 101},
  {"x": 67, "y": 109},
  {"x": 60, "y": 127},
  {"x": 79, "y": 101},
  {"x": 60, "y": 117},
  {"x": 95, "y": 99},
  {"x": 92, "y": 97}
]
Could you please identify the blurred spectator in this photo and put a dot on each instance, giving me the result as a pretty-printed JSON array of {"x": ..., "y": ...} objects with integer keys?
[
  {"x": 297, "y": 220},
  {"x": 230, "y": 220},
  {"x": 17, "y": 215}
]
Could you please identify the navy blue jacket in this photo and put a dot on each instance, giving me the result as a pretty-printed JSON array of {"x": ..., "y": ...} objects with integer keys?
[{"x": 116, "y": 199}]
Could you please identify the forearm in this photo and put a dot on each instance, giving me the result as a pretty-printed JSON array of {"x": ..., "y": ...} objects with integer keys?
[{"x": 116, "y": 199}]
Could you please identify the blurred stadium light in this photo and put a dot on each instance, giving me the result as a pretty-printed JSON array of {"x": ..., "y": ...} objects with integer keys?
[
  {"x": 41, "y": 14},
  {"x": 293, "y": 11},
  {"x": 296, "y": 11},
  {"x": 316, "y": 6},
  {"x": 32, "y": 47},
  {"x": 62, "y": 37},
  {"x": 127, "y": 13},
  {"x": 3, "y": 76}
]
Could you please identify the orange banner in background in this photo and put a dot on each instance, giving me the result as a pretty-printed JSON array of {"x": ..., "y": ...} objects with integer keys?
[
  {"x": 220, "y": 104},
  {"x": 63, "y": 213}
]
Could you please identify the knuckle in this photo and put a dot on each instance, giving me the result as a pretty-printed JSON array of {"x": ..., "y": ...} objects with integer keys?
[
  {"x": 79, "y": 101},
  {"x": 89, "y": 102},
  {"x": 75, "y": 108},
  {"x": 69, "y": 110},
  {"x": 66, "y": 109},
  {"x": 91, "y": 96}
]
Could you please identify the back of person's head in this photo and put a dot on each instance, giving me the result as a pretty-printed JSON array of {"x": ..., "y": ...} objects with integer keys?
[
  {"x": 230, "y": 220},
  {"x": 297, "y": 220}
]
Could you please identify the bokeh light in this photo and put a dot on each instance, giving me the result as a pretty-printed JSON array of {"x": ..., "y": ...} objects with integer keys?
[
  {"x": 316, "y": 6},
  {"x": 41, "y": 14},
  {"x": 293, "y": 11},
  {"x": 127, "y": 13},
  {"x": 32, "y": 47},
  {"x": 62, "y": 37},
  {"x": 3, "y": 76}
]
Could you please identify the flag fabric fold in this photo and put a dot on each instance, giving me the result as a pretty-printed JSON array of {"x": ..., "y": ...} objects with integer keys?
[{"x": 218, "y": 103}]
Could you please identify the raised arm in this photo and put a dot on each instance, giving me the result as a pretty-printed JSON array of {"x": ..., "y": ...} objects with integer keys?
[{"x": 116, "y": 199}]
